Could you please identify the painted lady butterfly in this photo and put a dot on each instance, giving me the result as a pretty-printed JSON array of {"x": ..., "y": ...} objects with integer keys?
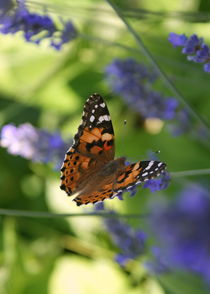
[{"x": 89, "y": 170}]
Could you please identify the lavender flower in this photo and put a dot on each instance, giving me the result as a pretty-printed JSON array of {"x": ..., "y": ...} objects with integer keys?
[
  {"x": 158, "y": 184},
  {"x": 133, "y": 81},
  {"x": 177, "y": 40},
  {"x": 156, "y": 266},
  {"x": 5, "y": 5},
  {"x": 194, "y": 47},
  {"x": 183, "y": 231},
  {"x": 182, "y": 124},
  {"x": 68, "y": 34},
  {"x": 35, "y": 27},
  {"x": 32, "y": 143},
  {"x": 131, "y": 242}
]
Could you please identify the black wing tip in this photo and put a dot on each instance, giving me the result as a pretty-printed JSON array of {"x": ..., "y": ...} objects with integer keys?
[
  {"x": 95, "y": 98},
  {"x": 95, "y": 95}
]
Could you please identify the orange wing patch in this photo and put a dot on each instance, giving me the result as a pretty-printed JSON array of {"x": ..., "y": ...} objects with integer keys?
[
  {"x": 137, "y": 173},
  {"x": 73, "y": 169},
  {"x": 128, "y": 177},
  {"x": 97, "y": 142}
]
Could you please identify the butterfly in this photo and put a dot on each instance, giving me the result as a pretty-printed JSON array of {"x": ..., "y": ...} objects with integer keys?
[{"x": 89, "y": 171}]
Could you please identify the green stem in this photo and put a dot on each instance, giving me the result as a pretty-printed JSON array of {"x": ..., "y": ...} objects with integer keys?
[
  {"x": 40, "y": 214},
  {"x": 157, "y": 67},
  {"x": 195, "y": 172},
  {"x": 107, "y": 42}
]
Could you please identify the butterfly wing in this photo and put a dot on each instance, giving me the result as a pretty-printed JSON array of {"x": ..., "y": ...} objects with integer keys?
[
  {"x": 93, "y": 146},
  {"x": 96, "y": 194},
  {"x": 137, "y": 173},
  {"x": 127, "y": 177}
]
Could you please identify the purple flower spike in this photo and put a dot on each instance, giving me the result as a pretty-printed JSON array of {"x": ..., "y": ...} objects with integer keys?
[
  {"x": 31, "y": 143},
  {"x": 133, "y": 81},
  {"x": 130, "y": 242},
  {"x": 158, "y": 184},
  {"x": 35, "y": 27},
  {"x": 182, "y": 231},
  {"x": 194, "y": 47}
]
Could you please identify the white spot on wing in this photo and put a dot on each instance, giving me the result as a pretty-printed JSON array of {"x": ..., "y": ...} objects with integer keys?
[
  {"x": 106, "y": 117},
  {"x": 92, "y": 118},
  {"x": 149, "y": 165},
  {"x": 144, "y": 174},
  {"x": 102, "y": 105},
  {"x": 96, "y": 106},
  {"x": 101, "y": 118}
]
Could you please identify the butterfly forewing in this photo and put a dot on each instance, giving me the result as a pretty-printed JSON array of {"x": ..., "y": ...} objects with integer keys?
[
  {"x": 95, "y": 136},
  {"x": 93, "y": 146}
]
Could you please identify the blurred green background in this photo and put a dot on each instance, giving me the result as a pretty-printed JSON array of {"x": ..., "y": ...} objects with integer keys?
[{"x": 48, "y": 89}]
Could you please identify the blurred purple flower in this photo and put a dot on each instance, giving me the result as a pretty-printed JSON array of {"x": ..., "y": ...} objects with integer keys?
[
  {"x": 177, "y": 40},
  {"x": 156, "y": 266},
  {"x": 194, "y": 47},
  {"x": 69, "y": 33},
  {"x": 5, "y": 5},
  {"x": 130, "y": 242},
  {"x": 201, "y": 56},
  {"x": 182, "y": 229},
  {"x": 182, "y": 124},
  {"x": 206, "y": 67},
  {"x": 32, "y": 143},
  {"x": 133, "y": 81},
  {"x": 35, "y": 27},
  {"x": 158, "y": 184}
]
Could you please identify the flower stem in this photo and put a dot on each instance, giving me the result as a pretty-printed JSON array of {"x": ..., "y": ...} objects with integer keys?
[
  {"x": 195, "y": 172},
  {"x": 41, "y": 214}
]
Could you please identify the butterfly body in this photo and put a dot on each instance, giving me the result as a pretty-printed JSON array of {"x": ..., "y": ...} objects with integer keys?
[{"x": 90, "y": 171}]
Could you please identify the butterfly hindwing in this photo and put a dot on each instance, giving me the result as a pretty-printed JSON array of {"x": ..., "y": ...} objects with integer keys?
[
  {"x": 137, "y": 173},
  {"x": 129, "y": 176},
  {"x": 94, "y": 196}
]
